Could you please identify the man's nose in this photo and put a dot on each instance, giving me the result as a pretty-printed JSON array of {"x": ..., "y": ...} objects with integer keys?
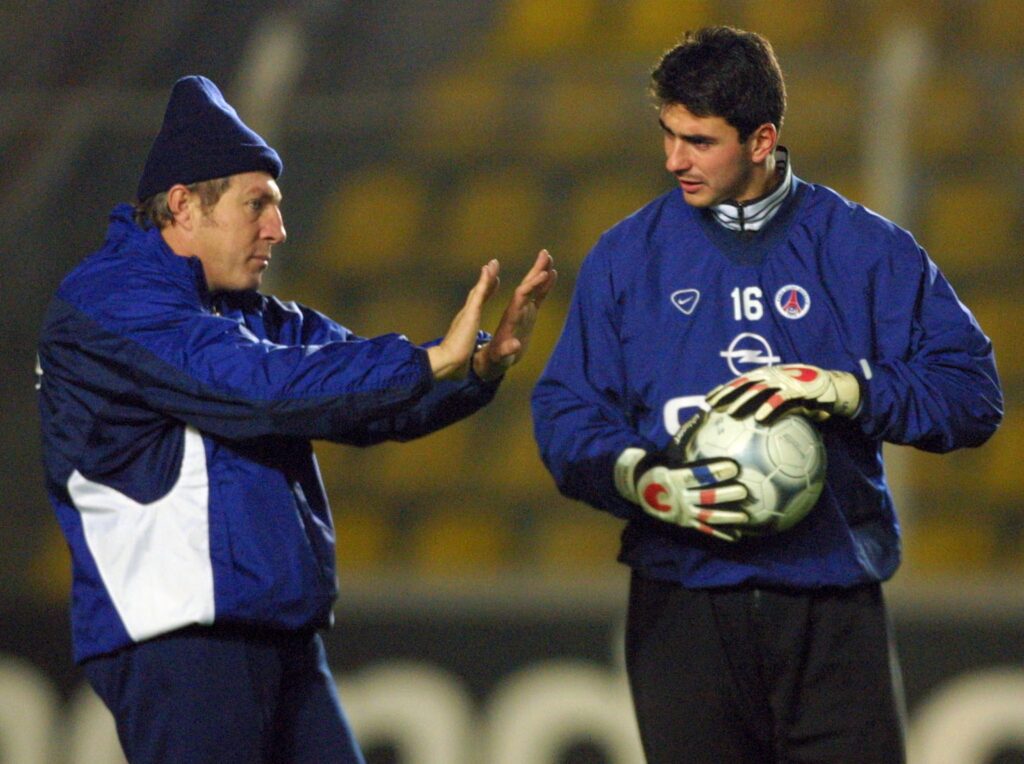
[
  {"x": 273, "y": 226},
  {"x": 677, "y": 157}
]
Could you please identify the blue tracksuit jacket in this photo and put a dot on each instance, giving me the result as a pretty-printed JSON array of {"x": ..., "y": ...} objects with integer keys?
[
  {"x": 176, "y": 437},
  {"x": 670, "y": 304}
]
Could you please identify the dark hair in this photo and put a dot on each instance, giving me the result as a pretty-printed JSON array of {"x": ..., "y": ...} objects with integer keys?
[
  {"x": 723, "y": 72},
  {"x": 154, "y": 212}
]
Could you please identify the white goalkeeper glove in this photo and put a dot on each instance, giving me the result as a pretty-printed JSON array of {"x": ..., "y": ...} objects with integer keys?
[
  {"x": 771, "y": 391},
  {"x": 687, "y": 494}
]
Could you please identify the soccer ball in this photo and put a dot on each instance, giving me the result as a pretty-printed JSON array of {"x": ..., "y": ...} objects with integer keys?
[{"x": 781, "y": 464}]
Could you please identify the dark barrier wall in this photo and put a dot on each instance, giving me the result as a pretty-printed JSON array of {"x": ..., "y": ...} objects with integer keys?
[{"x": 448, "y": 682}]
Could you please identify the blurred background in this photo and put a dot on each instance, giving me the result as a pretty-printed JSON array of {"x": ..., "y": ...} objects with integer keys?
[{"x": 420, "y": 139}]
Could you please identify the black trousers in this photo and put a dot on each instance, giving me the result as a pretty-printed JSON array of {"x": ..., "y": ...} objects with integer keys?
[{"x": 764, "y": 676}]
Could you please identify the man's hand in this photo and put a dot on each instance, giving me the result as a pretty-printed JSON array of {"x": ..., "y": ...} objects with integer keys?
[
  {"x": 771, "y": 391},
  {"x": 512, "y": 336},
  {"x": 687, "y": 494},
  {"x": 450, "y": 358}
]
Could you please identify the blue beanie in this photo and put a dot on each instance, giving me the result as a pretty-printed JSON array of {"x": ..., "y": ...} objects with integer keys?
[{"x": 202, "y": 138}]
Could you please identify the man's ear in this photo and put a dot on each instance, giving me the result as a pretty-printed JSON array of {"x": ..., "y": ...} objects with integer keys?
[
  {"x": 180, "y": 204},
  {"x": 763, "y": 141}
]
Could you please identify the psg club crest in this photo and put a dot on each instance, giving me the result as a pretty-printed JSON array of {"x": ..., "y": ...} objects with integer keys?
[{"x": 792, "y": 301}]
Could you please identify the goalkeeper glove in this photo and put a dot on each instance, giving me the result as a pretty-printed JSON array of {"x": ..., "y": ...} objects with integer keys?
[
  {"x": 771, "y": 391},
  {"x": 687, "y": 494}
]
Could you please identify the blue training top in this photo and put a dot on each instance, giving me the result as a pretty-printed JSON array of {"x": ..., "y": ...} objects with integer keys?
[
  {"x": 670, "y": 304},
  {"x": 176, "y": 431}
]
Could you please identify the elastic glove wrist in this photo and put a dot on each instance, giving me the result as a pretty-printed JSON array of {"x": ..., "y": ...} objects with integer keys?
[
  {"x": 847, "y": 393},
  {"x": 625, "y": 473}
]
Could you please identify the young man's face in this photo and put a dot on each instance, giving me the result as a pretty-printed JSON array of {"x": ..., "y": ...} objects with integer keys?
[
  {"x": 234, "y": 238},
  {"x": 707, "y": 158}
]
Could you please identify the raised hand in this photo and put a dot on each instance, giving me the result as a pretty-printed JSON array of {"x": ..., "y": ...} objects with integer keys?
[
  {"x": 515, "y": 328},
  {"x": 451, "y": 357}
]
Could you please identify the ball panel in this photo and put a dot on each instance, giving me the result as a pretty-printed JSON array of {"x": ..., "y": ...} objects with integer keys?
[{"x": 781, "y": 464}]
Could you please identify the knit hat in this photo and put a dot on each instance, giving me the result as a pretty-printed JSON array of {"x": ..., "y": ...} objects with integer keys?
[{"x": 202, "y": 138}]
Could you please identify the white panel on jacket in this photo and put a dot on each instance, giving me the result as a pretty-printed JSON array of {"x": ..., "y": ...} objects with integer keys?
[{"x": 154, "y": 558}]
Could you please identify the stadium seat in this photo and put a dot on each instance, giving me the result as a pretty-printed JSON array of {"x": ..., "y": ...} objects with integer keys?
[
  {"x": 459, "y": 115},
  {"x": 995, "y": 26},
  {"x": 823, "y": 112},
  {"x": 1000, "y": 466},
  {"x": 365, "y": 535},
  {"x": 937, "y": 544},
  {"x": 371, "y": 224},
  {"x": 421, "y": 313},
  {"x": 999, "y": 316},
  {"x": 646, "y": 28},
  {"x": 493, "y": 212},
  {"x": 574, "y": 540},
  {"x": 601, "y": 200},
  {"x": 504, "y": 450},
  {"x": 966, "y": 224},
  {"x": 805, "y": 24},
  {"x": 460, "y": 537},
  {"x": 947, "y": 116},
  {"x": 539, "y": 29},
  {"x": 577, "y": 115}
]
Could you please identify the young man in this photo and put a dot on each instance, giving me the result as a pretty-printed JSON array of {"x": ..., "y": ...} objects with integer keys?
[
  {"x": 178, "y": 404},
  {"x": 778, "y": 296}
]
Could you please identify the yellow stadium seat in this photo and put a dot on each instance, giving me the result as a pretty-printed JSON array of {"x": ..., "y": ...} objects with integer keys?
[
  {"x": 505, "y": 451},
  {"x": 540, "y": 29},
  {"x": 579, "y": 114},
  {"x": 462, "y": 538},
  {"x": 421, "y": 312},
  {"x": 49, "y": 573},
  {"x": 650, "y": 27},
  {"x": 869, "y": 21},
  {"x": 492, "y": 213},
  {"x": 1013, "y": 122},
  {"x": 365, "y": 536},
  {"x": 576, "y": 542},
  {"x": 458, "y": 114},
  {"x": 996, "y": 26},
  {"x": 1000, "y": 316},
  {"x": 999, "y": 464},
  {"x": 439, "y": 461},
  {"x": 966, "y": 224},
  {"x": 371, "y": 224},
  {"x": 597, "y": 203},
  {"x": 948, "y": 544},
  {"x": 947, "y": 116},
  {"x": 792, "y": 25},
  {"x": 822, "y": 117}
]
